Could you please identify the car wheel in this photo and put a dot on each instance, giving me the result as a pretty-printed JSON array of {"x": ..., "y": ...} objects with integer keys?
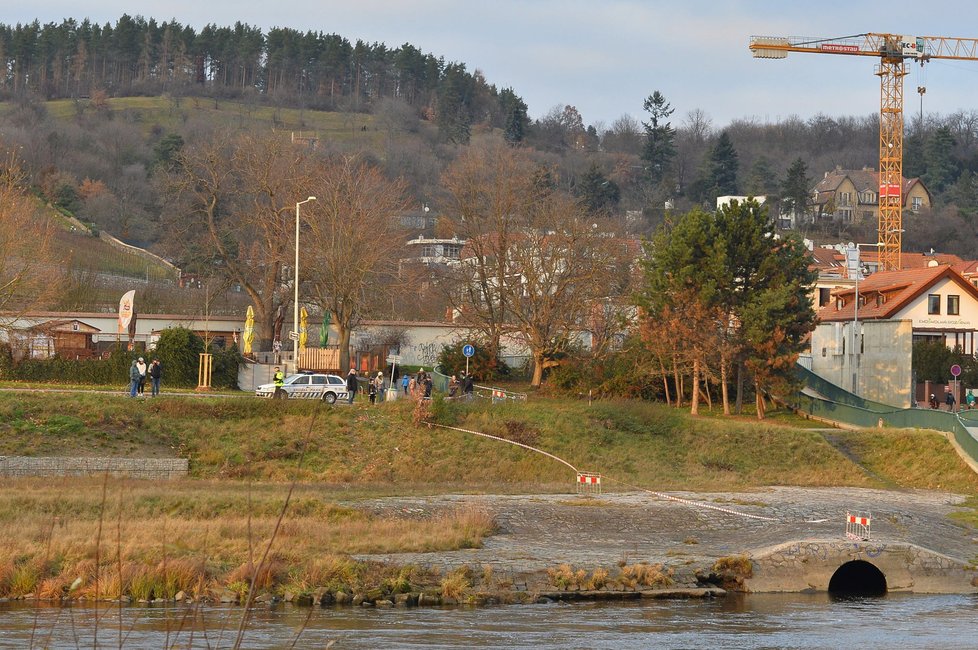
[
  {"x": 281, "y": 394},
  {"x": 329, "y": 398}
]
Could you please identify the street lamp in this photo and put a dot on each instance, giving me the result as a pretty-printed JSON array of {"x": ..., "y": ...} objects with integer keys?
[{"x": 295, "y": 321}]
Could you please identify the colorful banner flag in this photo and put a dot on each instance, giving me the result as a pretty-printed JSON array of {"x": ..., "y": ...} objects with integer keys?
[
  {"x": 249, "y": 330},
  {"x": 303, "y": 328},
  {"x": 126, "y": 310},
  {"x": 324, "y": 330}
]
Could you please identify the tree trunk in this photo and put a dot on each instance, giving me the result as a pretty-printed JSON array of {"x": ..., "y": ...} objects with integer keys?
[
  {"x": 537, "y": 371},
  {"x": 759, "y": 400},
  {"x": 344, "y": 336},
  {"x": 678, "y": 384},
  {"x": 665, "y": 381},
  {"x": 695, "y": 397},
  {"x": 724, "y": 389}
]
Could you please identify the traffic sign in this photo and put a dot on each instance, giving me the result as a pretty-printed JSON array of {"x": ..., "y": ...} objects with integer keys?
[
  {"x": 468, "y": 350},
  {"x": 956, "y": 370},
  {"x": 294, "y": 336},
  {"x": 393, "y": 358}
]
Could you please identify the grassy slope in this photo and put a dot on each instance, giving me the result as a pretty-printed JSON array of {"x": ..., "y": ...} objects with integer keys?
[
  {"x": 638, "y": 444},
  {"x": 197, "y": 536}
]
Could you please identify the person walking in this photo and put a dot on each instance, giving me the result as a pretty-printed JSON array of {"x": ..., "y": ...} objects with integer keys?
[
  {"x": 949, "y": 400},
  {"x": 428, "y": 385},
  {"x": 453, "y": 386},
  {"x": 469, "y": 385},
  {"x": 155, "y": 374},
  {"x": 405, "y": 382},
  {"x": 141, "y": 367},
  {"x": 372, "y": 390},
  {"x": 133, "y": 379},
  {"x": 352, "y": 385}
]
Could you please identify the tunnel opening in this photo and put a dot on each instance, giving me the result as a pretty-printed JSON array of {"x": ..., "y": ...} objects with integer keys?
[{"x": 857, "y": 578}]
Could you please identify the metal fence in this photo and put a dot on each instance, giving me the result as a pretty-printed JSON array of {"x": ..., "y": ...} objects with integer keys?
[{"x": 831, "y": 402}]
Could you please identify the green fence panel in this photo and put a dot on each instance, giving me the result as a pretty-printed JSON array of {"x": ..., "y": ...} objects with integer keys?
[{"x": 838, "y": 405}]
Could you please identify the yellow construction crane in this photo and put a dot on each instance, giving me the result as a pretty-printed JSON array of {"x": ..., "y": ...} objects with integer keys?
[{"x": 893, "y": 51}]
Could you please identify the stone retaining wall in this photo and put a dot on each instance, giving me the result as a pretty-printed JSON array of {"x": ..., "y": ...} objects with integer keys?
[{"x": 144, "y": 468}]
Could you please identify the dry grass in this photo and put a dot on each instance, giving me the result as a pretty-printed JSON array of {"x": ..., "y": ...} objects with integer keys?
[
  {"x": 645, "y": 575},
  {"x": 171, "y": 544}
]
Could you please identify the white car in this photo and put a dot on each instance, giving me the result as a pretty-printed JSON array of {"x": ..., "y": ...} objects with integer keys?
[{"x": 306, "y": 385}]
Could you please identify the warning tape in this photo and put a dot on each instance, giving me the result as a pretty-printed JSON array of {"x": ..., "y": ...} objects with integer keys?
[{"x": 661, "y": 495}]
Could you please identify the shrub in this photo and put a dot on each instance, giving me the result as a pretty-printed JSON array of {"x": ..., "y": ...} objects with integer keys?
[{"x": 481, "y": 365}]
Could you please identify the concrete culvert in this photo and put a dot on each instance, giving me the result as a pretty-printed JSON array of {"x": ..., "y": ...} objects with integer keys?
[{"x": 857, "y": 578}]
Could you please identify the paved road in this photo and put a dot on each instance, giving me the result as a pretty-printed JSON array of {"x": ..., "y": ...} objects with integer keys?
[{"x": 541, "y": 531}]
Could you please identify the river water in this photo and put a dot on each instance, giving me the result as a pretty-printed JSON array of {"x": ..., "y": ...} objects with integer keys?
[{"x": 754, "y": 621}]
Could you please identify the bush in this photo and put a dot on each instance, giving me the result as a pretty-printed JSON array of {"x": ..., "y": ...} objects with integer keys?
[
  {"x": 481, "y": 365},
  {"x": 178, "y": 350}
]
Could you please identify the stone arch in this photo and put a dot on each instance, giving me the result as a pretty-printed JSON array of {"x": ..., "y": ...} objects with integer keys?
[{"x": 858, "y": 578}]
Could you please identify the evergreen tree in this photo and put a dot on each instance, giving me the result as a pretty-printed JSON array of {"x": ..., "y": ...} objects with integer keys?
[
  {"x": 597, "y": 192},
  {"x": 795, "y": 197},
  {"x": 721, "y": 169},
  {"x": 515, "y": 118},
  {"x": 941, "y": 167},
  {"x": 660, "y": 148},
  {"x": 753, "y": 285}
]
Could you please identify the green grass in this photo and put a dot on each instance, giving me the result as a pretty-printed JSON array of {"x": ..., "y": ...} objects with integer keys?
[
  {"x": 633, "y": 444},
  {"x": 171, "y": 113}
]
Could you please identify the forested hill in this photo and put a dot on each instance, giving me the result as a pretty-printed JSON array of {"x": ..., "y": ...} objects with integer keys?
[{"x": 309, "y": 69}]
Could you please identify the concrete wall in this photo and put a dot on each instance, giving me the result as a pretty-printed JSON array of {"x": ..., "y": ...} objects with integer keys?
[
  {"x": 879, "y": 369},
  {"x": 145, "y": 468},
  {"x": 810, "y": 564}
]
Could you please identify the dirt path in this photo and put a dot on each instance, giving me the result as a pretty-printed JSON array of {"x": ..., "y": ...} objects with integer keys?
[{"x": 537, "y": 532}]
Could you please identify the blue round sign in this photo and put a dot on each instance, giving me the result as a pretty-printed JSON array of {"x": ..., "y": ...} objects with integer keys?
[{"x": 468, "y": 350}]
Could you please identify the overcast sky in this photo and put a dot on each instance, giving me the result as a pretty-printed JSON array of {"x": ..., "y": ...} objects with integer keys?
[{"x": 605, "y": 57}]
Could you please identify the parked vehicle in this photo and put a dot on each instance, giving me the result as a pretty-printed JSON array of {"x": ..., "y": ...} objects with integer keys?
[{"x": 306, "y": 385}]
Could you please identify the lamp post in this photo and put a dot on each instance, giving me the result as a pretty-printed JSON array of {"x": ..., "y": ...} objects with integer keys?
[{"x": 295, "y": 321}]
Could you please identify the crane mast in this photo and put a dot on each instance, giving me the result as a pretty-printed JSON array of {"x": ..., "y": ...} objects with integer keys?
[{"x": 893, "y": 51}]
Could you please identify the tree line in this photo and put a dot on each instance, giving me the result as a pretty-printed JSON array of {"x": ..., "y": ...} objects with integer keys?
[{"x": 311, "y": 69}]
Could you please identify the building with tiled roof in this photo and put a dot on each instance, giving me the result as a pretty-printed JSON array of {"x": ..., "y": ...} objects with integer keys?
[
  {"x": 852, "y": 195},
  {"x": 865, "y": 335}
]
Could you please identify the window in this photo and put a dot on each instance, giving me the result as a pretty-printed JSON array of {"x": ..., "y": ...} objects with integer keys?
[
  {"x": 933, "y": 304},
  {"x": 301, "y": 381},
  {"x": 318, "y": 380},
  {"x": 916, "y": 202},
  {"x": 953, "y": 305},
  {"x": 824, "y": 296},
  {"x": 843, "y": 199},
  {"x": 846, "y": 215}
]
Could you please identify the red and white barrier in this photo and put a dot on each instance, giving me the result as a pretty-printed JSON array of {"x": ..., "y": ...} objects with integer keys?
[
  {"x": 588, "y": 482},
  {"x": 858, "y": 527}
]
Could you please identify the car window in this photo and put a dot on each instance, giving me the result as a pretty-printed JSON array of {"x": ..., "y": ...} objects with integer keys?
[
  {"x": 318, "y": 379},
  {"x": 336, "y": 380},
  {"x": 301, "y": 381}
]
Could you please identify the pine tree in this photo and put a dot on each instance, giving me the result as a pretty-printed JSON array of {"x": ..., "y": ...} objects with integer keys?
[
  {"x": 722, "y": 167},
  {"x": 795, "y": 198},
  {"x": 942, "y": 169},
  {"x": 597, "y": 192},
  {"x": 660, "y": 148}
]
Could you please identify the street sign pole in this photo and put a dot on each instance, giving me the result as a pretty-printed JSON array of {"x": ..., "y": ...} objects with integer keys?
[{"x": 468, "y": 350}]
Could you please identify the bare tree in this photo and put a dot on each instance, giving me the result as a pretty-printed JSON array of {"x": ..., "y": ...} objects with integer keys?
[
  {"x": 560, "y": 270},
  {"x": 489, "y": 189},
  {"x": 234, "y": 205},
  {"x": 353, "y": 241},
  {"x": 26, "y": 267}
]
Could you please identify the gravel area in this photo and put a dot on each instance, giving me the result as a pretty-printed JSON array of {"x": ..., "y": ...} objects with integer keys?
[{"x": 541, "y": 531}]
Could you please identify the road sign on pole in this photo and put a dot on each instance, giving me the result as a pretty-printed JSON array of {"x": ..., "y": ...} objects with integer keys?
[{"x": 468, "y": 350}]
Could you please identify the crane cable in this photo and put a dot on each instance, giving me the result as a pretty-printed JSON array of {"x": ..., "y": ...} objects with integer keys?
[{"x": 660, "y": 495}]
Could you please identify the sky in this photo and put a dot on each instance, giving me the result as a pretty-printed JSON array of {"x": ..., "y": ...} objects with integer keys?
[{"x": 606, "y": 56}]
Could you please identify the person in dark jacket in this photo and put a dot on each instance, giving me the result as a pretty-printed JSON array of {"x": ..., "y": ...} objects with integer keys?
[
  {"x": 155, "y": 375},
  {"x": 352, "y": 385}
]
